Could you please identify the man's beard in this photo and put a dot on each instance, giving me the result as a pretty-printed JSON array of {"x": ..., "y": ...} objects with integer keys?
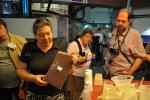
[{"x": 121, "y": 30}]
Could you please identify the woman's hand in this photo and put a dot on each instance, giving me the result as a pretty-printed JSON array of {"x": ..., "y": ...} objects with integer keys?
[
  {"x": 38, "y": 79},
  {"x": 71, "y": 70},
  {"x": 93, "y": 56},
  {"x": 81, "y": 59},
  {"x": 74, "y": 59}
]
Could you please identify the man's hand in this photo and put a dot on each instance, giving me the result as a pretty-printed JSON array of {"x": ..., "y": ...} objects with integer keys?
[{"x": 125, "y": 73}]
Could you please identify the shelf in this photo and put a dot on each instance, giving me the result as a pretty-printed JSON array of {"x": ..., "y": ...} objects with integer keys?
[{"x": 10, "y": 1}]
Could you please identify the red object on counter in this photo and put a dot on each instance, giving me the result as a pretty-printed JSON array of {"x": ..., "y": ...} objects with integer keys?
[
  {"x": 97, "y": 91},
  {"x": 97, "y": 86}
]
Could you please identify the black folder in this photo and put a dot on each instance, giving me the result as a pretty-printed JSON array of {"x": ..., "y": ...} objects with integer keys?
[{"x": 58, "y": 70}]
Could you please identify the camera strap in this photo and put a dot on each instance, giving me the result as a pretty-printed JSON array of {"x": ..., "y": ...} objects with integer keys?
[
  {"x": 125, "y": 56},
  {"x": 121, "y": 45},
  {"x": 81, "y": 53}
]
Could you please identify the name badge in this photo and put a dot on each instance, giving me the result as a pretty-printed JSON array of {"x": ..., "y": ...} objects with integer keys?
[{"x": 11, "y": 45}]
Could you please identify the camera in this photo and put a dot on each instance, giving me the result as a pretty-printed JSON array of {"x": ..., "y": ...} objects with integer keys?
[{"x": 114, "y": 51}]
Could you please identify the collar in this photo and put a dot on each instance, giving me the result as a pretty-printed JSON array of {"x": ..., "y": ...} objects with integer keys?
[
  {"x": 35, "y": 47},
  {"x": 124, "y": 33}
]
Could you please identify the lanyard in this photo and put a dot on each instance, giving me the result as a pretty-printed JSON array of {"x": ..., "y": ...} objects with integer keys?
[{"x": 119, "y": 46}]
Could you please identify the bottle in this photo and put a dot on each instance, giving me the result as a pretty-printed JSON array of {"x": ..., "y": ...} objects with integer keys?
[
  {"x": 88, "y": 85},
  {"x": 97, "y": 87}
]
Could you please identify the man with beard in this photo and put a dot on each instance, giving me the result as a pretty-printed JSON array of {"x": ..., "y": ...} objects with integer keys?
[{"x": 125, "y": 47}]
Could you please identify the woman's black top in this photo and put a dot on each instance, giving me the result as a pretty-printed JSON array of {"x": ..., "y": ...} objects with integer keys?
[{"x": 38, "y": 62}]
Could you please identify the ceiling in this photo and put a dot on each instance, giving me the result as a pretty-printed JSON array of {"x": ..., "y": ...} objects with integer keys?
[
  {"x": 77, "y": 5},
  {"x": 104, "y": 3},
  {"x": 121, "y": 3}
]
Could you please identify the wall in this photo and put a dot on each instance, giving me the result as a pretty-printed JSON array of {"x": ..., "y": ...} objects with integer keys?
[
  {"x": 141, "y": 24},
  {"x": 20, "y": 26},
  {"x": 23, "y": 26},
  {"x": 97, "y": 15}
]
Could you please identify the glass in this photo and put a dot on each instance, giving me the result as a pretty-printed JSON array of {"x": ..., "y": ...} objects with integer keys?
[
  {"x": 144, "y": 92},
  {"x": 110, "y": 92}
]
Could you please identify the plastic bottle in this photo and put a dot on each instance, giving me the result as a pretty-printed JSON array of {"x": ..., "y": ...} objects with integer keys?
[
  {"x": 97, "y": 87},
  {"x": 88, "y": 86}
]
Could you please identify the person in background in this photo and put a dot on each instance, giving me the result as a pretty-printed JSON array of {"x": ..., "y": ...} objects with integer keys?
[
  {"x": 35, "y": 59},
  {"x": 146, "y": 63},
  {"x": 98, "y": 40},
  {"x": 126, "y": 50},
  {"x": 10, "y": 50},
  {"x": 148, "y": 57},
  {"x": 79, "y": 48},
  {"x": 147, "y": 48},
  {"x": 146, "y": 68}
]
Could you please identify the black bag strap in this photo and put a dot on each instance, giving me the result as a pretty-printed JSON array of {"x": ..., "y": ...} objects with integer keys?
[
  {"x": 125, "y": 56},
  {"x": 121, "y": 45},
  {"x": 80, "y": 48}
]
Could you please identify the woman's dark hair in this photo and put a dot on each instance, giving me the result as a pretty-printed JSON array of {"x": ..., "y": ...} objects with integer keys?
[
  {"x": 87, "y": 31},
  {"x": 2, "y": 22},
  {"x": 40, "y": 22}
]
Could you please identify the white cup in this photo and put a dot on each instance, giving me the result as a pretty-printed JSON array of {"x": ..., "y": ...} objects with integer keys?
[
  {"x": 88, "y": 77},
  {"x": 129, "y": 94}
]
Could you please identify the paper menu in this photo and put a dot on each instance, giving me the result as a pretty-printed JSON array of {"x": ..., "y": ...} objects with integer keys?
[{"x": 58, "y": 70}]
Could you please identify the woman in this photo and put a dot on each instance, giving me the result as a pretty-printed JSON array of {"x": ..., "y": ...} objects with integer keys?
[
  {"x": 35, "y": 60},
  {"x": 81, "y": 49}
]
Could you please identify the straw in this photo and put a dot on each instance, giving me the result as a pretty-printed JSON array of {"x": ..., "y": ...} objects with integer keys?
[
  {"x": 118, "y": 83},
  {"x": 141, "y": 81}
]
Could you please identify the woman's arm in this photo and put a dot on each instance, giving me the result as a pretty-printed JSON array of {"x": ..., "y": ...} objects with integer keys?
[{"x": 23, "y": 73}]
